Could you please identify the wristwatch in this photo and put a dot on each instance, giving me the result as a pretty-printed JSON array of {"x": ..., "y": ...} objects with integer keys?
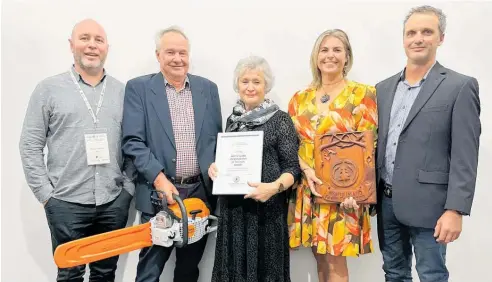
[{"x": 280, "y": 188}]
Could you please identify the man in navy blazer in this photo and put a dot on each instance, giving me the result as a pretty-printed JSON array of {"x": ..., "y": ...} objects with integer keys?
[
  {"x": 427, "y": 156},
  {"x": 170, "y": 124}
]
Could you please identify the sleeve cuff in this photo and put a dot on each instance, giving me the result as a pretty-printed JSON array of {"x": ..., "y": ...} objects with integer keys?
[
  {"x": 43, "y": 193},
  {"x": 296, "y": 173},
  {"x": 129, "y": 186},
  {"x": 152, "y": 172},
  {"x": 458, "y": 204}
]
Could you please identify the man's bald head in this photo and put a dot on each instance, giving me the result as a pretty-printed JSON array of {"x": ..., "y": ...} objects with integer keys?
[
  {"x": 89, "y": 46},
  {"x": 86, "y": 24}
]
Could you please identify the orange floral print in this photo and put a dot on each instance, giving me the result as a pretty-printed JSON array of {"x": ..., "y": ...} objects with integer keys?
[{"x": 325, "y": 226}]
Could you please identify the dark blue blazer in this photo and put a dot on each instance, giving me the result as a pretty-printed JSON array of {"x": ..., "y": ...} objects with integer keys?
[{"x": 148, "y": 137}]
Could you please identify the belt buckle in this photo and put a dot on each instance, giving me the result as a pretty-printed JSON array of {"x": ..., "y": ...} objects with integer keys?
[{"x": 388, "y": 191}]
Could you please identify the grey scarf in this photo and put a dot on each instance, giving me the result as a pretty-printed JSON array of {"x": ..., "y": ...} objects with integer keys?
[{"x": 242, "y": 120}]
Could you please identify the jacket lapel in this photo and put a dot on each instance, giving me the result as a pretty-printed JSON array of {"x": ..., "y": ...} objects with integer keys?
[
  {"x": 161, "y": 106},
  {"x": 435, "y": 77},
  {"x": 385, "y": 109},
  {"x": 199, "y": 104}
]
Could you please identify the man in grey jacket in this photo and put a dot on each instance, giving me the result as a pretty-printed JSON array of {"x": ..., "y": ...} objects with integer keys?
[
  {"x": 77, "y": 115},
  {"x": 427, "y": 156}
]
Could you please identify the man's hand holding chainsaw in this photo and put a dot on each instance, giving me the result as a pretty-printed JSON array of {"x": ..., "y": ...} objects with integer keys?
[{"x": 163, "y": 185}]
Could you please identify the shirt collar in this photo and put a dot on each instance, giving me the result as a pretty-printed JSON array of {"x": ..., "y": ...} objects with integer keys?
[
  {"x": 80, "y": 79},
  {"x": 402, "y": 74},
  {"x": 187, "y": 82}
]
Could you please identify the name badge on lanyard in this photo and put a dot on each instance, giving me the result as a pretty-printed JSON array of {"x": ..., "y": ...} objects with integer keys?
[{"x": 96, "y": 141}]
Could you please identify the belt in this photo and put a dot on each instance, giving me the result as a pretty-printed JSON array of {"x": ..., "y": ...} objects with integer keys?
[
  {"x": 387, "y": 189},
  {"x": 184, "y": 180}
]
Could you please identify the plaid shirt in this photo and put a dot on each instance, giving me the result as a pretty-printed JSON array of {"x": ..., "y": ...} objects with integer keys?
[{"x": 183, "y": 121}]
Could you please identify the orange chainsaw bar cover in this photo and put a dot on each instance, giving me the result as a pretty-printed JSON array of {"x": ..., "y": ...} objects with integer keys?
[
  {"x": 113, "y": 243},
  {"x": 102, "y": 246}
]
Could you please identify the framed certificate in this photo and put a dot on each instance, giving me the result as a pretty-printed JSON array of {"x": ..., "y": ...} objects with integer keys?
[{"x": 238, "y": 159}]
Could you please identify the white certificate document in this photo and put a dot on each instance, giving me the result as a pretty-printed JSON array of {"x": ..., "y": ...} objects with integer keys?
[{"x": 238, "y": 159}]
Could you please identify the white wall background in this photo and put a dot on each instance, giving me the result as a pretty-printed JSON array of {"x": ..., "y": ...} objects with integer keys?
[{"x": 35, "y": 45}]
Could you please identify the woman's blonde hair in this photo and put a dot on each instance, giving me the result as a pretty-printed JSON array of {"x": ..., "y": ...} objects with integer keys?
[{"x": 342, "y": 36}]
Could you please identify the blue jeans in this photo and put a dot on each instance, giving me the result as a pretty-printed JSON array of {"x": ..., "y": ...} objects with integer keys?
[{"x": 396, "y": 248}]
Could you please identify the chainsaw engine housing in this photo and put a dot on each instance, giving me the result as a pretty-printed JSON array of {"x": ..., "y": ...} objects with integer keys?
[{"x": 170, "y": 227}]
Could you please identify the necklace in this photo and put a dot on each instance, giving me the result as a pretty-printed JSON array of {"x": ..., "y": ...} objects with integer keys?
[{"x": 325, "y": 98}]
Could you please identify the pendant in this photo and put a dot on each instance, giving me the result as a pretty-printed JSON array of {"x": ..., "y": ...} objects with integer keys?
[{"x": 325, "y": 98}]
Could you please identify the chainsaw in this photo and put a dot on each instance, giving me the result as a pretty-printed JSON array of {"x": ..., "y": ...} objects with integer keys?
[{"x": 167, "y": 228}]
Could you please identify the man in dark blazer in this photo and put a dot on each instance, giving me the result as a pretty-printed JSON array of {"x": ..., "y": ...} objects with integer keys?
[
  {"x": 427, "y": 155},
  {"x": 170, "y": 124}
]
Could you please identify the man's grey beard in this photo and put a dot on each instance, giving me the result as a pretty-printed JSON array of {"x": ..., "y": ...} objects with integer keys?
[{"x": 92, "y": 70}]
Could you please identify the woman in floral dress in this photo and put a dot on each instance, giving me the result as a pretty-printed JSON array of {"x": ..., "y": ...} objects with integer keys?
[{"x": 332, "y": 103}]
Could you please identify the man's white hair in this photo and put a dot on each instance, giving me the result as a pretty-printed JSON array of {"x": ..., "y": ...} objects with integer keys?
[{"x": 162, "y": 32}]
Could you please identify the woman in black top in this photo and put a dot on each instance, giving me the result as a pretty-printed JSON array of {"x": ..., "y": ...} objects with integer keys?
[{"x": 252, "y": 238}]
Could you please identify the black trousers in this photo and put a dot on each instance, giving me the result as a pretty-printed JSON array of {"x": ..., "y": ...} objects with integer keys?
[
  {"x": 70, "y": 221},
  {"x": 153, "y": 259}
]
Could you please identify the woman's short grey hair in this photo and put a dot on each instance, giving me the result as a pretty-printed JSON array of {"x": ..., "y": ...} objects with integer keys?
[
  {"x": 254, "y": 63},
  {"x": 161, "y": 33},
  {"x": 428, "y": 10}
]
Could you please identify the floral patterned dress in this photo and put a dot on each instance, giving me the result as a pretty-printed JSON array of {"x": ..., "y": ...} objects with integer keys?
[{"x": 327, "y": 227}]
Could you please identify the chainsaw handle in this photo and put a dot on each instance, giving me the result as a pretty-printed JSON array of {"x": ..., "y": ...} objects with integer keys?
[
  {"x": 184, "y": 219},
  {"x": 213, "y": 223}
]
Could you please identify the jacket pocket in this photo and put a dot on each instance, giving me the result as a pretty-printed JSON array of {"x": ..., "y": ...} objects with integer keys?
[
  {"x": 438, "y": 108},
  {"x": 434, "y": 177}
]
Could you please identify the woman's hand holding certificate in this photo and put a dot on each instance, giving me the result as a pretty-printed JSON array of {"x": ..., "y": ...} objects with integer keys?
[{"x": 261, "y": 192}]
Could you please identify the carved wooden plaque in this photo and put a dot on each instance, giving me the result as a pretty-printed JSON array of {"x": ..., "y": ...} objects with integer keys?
[{"x": 345, "y": 164}]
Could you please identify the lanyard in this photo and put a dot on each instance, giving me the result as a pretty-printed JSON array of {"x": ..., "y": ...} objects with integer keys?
[{"x": 99, "y": 104}]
